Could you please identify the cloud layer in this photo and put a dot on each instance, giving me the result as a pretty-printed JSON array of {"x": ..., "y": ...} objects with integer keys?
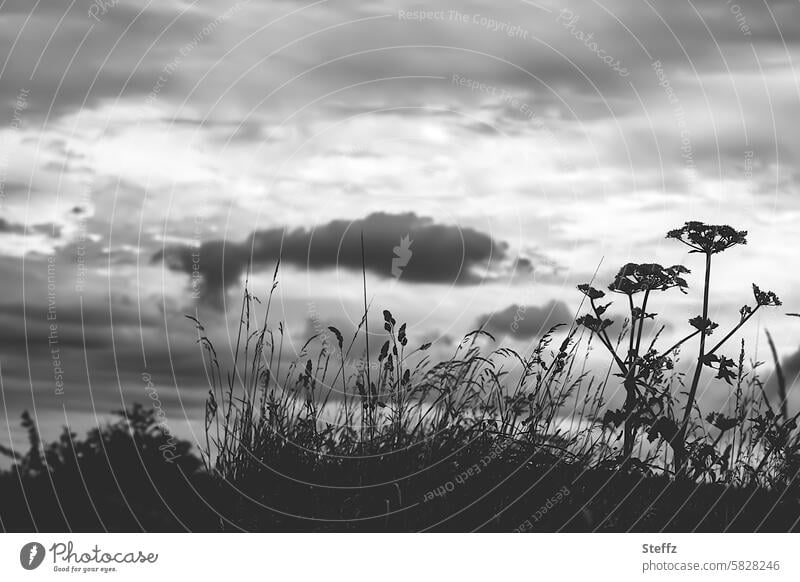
[
  {"x": 408, "y": 247},
  {"x": 526, "y": 321}
]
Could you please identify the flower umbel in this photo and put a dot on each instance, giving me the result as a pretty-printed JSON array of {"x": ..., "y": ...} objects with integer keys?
[
  {"x": 765, "y": 298},
  {"x": 705, "y": 325},
  {"x": 590, "y": 291},
  {"x": 708, "y": 238},
  {"x": 595, "y": 324},
  {"x": 633, "y": 278}
]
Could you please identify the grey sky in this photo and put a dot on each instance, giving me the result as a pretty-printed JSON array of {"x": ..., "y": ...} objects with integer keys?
[{"x": 517, "y": 144}]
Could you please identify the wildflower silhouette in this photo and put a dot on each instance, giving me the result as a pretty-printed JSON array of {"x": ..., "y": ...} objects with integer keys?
[
  {"x": 708, "y": 239},
  {"x": 711, "y": 240},
  {"x": 642, "y": 370},
  {"x": 636, "y": 369}
]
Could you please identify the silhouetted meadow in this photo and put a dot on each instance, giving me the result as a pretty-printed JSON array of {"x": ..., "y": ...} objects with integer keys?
[{"x": 488, "y": 439}]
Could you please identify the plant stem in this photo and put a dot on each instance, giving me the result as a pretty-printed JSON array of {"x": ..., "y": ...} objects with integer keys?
[
  {"x": 679, "y": 343},
  {"x": 687, "y": 413},
  {"x": 641, "y": 323},
  {"x": 368, "y": 388},
  {"x": 630, "y": 378},
  {"x": 366, "y": 312},
  {"x": 632, "y": 335},
  {"x": 607, "y": 341},
  {"x": 733, "y": 331}
]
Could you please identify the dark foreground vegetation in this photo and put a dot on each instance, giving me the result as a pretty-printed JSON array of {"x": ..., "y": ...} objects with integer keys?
[{"x": 487, "y": 440}]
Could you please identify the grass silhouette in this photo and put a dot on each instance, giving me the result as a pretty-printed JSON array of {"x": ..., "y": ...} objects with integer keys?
[{"x": 488, "y": 439}]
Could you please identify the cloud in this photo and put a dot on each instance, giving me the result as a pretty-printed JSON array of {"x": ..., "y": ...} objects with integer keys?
[
  {"x": 526, "y": 322},
  {"x": 411, "y": 248},
  {"x": 98, "y": 341},
  {"x": 8, "y": 227},
  {"x": 11, "y": 227},
  {"x": 69, "y": 57}
]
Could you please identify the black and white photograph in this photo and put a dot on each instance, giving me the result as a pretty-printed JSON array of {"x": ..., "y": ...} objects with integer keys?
[{"x": 388, "y": 267}]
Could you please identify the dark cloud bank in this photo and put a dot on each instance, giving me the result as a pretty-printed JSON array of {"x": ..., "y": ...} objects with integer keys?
[
  {"x": 412, "y": 248},
  {"x": 526, "y": 321}
]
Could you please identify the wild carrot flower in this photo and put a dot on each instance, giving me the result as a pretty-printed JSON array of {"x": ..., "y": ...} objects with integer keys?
[
  {"x": 708, "y": 238},
  {"x": 595, "y": 324},
  {"x": 634, "y": 278},
  {"x": 590, "y": 291},
  {"x": 765, "y": 298},
  {"x": 705, "y": 325},
  {"x": 721, "y": 421}
]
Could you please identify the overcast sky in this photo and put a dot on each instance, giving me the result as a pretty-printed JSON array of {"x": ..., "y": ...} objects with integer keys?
[{"x": 492, "y": 153}]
